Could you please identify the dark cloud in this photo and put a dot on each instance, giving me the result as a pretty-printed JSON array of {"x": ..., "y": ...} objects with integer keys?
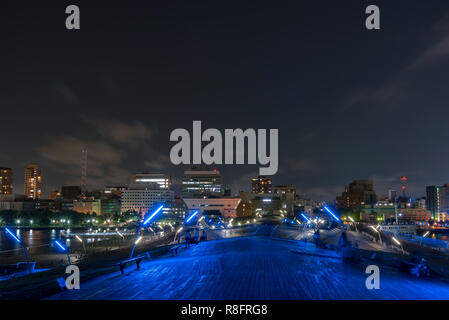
[{"x": 349, "y": 103}]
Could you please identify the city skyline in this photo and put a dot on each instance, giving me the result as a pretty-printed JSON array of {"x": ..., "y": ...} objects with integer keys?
[{"x": 167, "y": 181}]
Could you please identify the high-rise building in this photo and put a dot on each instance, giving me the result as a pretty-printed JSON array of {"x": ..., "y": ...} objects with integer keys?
[
  {"x": 145, "y": 178},
  {"x": 33, "y": 181},
  {"x": 6, "y": 180},
  {"x": 357, "y": 195},
  {"x": 437, "y": 200},
  {"x": 261, "y": 185},
  {"x": 200, "y": 183}
]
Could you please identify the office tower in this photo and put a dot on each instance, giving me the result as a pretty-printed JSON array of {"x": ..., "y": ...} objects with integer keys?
[
  {"x": 201, "y": 183},
  {"x": 437, "y": 200},
  {"x": 33, "y": 181},
  {"x": 6, "y": 180},
  {"x": 141, "y": 199},
  {"x": 261, "y": 185}
]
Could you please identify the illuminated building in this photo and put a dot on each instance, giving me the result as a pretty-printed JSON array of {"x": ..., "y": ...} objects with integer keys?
[
  {"x": 437, "y": 201},
  {"x": 175, "y": 210},
  {"x": 87, "y": 206},
  {"x": 163, "y": 180},
  {"x": 261, "y": 185},
  {"x": 6, "y": 180},
  {"x": 201, "y": 183},
  {"x": 141, "y": 199},
  {"x": 33, "y": 181}
]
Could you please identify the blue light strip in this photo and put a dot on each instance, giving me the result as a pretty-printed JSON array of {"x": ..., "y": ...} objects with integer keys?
[
  {"x": 331, "y": 213},
  {"x": 152, "y": 216},
  {"x": 305, "y": 217},
  {"x": 12, "y": 235},
  {"x": 191, "y": 217},
  {"x": 60, "y": 245}
]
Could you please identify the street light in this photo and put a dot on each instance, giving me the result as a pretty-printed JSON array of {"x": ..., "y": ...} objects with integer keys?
[
  {"x": 193, "y": 215},
  {"x": 64, "y": 249},
  {"x": 306, "y": 218},
  {"x": 138, "y": 240},
  {"x": 398, "y": 243},
  {"x": 332, "y": 214},
  {"x": 355, "y": 225},
  {"x": 12, "y": 235},
  {"x": 380, "y": 238},
  {"x": 144, "y": 223},
  {"x": 81, "y": 240}
]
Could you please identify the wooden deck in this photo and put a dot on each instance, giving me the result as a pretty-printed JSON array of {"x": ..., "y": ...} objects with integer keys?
[{"x": 253, "y": 268}]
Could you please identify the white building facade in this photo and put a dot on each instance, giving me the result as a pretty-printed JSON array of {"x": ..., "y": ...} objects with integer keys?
[{"x": 143, "y": 200}]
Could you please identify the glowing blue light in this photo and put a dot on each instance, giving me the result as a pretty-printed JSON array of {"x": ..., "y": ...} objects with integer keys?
[
  {"x": 191, "y": 217},
  {"x": 12, "y": 235},
  {"x": 60, "y": 245},
  {"x": 305, "y": 217},
  {"x": 331, "y": 213},
  {"x": 152, "y": 216}
]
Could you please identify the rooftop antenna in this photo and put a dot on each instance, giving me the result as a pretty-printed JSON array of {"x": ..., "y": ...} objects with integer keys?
[
  {"x": 403, "y": 179},
  {"x": 83, "y": 173}
]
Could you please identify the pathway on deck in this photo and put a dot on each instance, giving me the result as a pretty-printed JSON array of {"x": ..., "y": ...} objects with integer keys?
[{"x": 252, "y": 268}]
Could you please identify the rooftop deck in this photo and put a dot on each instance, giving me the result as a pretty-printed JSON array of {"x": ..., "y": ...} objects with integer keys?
[{"x": 253, "y": 268}]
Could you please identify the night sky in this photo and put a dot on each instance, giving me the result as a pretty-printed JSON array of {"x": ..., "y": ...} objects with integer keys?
[{"x": 349, "y": 103}]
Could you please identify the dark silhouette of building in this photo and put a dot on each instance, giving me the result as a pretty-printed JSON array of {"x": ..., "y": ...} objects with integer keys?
[
  {"x": 357, "y": 195},
  {"x": 71, "y": 192}
]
